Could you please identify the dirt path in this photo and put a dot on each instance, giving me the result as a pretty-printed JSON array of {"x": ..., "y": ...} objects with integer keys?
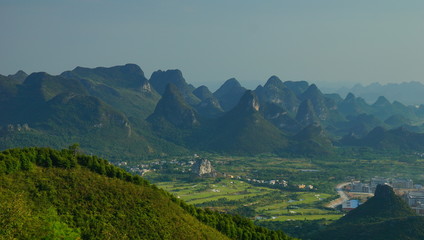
[{"x": 343, "y": 197}]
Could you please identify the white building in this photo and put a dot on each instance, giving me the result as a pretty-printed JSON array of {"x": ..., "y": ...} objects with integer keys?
[{"x": 416, "y": 201}]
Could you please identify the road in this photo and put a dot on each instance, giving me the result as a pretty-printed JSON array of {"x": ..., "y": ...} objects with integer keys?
[{"x": 343, "y": 197}]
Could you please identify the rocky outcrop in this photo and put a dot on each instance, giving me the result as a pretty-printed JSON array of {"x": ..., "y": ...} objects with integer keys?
[
  {"x": 203, "y": 168},
  {"x": 306, "y": 114},
  {"x": 277, "y": 93}
]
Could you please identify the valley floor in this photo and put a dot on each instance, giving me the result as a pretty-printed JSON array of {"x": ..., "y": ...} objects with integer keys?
[{"x": 256, "y": 202}]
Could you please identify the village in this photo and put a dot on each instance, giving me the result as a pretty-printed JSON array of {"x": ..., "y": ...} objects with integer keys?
[
  {"x": 201, "y": 167},
  {"x": 352, "y": 193},
  {"x": 358, "y": 192}
]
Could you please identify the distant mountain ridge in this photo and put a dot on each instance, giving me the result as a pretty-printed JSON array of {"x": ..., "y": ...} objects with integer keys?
[
  {"x": 409, "y": 93},
  {"x": 107, "y": 109}
]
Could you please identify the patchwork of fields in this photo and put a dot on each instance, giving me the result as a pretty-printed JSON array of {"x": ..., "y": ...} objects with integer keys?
[{"x": 257, "y": 202}]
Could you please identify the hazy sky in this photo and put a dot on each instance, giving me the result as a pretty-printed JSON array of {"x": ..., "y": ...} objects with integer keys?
[{"x": 211, "y": 41}]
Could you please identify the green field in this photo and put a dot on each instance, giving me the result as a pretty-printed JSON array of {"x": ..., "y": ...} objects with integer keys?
[
  {"x": 264, "y": 202},
  {"x": 267, "y": 203}
]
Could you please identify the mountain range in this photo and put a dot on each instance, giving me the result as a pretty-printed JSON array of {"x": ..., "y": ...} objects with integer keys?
[
  {"x": 409, "y": 93},
  {"x": 119, "y": 113}
]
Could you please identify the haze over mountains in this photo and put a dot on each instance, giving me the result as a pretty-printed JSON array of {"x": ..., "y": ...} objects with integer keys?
[
  {"x": 118, "y": 110},
  {"x": 409, "y": 93}
]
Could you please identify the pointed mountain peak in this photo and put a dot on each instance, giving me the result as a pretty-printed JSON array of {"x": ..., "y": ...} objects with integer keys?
[
  {"x": 19, "y": 76},
  {"x": 245, "y": 130},
  {"x": 382, "y": 102},
  {"x": 274, "y": 81},
  {"x": 229, "y": 94},
  {"x": 313, "y": 88},
  {"x": 383, "y": 206},
  {"x": 173, "y": 109},
  {"x": 232, "y": 82},
  {"x": 203, "y": 93},
  {"x": 312, "y": 92},
  {"x": 20, "y": 72},
  {"x": 384, "y": 191},
  {"x": 350, "y": 97},
  {"x": 249, "y": 102},
  {"x": 276, "y": 92},
  {"x": 160, "y": 79}
]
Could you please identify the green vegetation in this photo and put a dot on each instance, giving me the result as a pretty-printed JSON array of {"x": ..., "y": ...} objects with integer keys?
[
  {"x": 68, "y": 195},
  {"x": 384, "y": 205},
  {"x": 116, "y": 112},
  {"x": 384, "y": 216},
  {"x": 264, "y": 203},
  {"x": 269, "y": 204}
]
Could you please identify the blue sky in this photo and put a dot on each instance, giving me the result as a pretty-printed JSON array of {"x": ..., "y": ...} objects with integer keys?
[{"x": 332, "y": 41}]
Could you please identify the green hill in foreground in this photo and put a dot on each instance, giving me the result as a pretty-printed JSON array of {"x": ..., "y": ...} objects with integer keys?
[{"x": 49, "y": 194}]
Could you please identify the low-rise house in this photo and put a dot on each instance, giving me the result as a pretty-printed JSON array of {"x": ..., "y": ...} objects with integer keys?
[
  {"x": 358, "y": 186},
  {"x": 378, "y": 181},
  {"x": 402, "y": 183},
  {"x": 350, "y": 204},
  {"x": 415, "y": 200}
]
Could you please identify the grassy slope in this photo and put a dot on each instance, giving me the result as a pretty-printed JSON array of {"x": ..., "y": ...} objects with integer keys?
[
  {"x": 67, "y": 195},
  {"x": 80, "y": 202}
]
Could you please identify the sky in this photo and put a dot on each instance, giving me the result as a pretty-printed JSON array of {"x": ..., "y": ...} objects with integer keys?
[{"x": 333, "y": 42}]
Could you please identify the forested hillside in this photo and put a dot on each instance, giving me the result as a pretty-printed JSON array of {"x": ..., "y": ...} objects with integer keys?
[{"x": 50, "y": 194}]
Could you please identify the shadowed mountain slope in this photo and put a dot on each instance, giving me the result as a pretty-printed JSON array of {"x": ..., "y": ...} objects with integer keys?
[
  {"x": 244, "y": 130},
  {"x": 160, "y": 80},
  {"x": 229, "y": 94}
]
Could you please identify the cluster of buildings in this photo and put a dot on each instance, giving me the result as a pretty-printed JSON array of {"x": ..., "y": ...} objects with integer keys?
[
  {"x": 303, "y": 186},
  {"x": 413, "y": 195},
  {"x": 415, "y": 200},
  {"x": 397, "y": 183},
  {"x": 141, "y": 169},
  {"x": 282, "y": 182}
]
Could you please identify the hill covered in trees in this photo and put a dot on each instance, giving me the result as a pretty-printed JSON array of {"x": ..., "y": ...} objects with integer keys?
[{"x": 51, "y": 194}]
